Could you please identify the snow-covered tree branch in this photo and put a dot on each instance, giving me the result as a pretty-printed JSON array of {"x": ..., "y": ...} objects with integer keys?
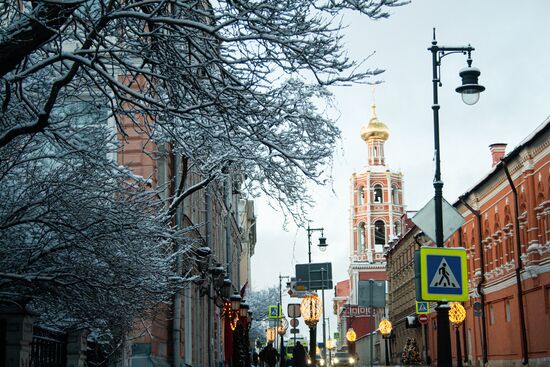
[{"x": 233, "y": 86}]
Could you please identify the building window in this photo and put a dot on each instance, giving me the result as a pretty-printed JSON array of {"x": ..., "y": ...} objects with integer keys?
[
  {"x": 507, "y": 310},
  {"x": 491, "y": 314},
  {"x": 362, "y": 238},
  {"x": 394, "y": 195},
  {"x": 378, "y": 194},
  {"x": 397, "y": 228},
  {"x": 361, "y": 196},
  {"x": 379, "y": 233}
]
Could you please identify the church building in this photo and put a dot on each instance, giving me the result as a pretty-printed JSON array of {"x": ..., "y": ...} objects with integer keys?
[{"x": 376, "y": 209}]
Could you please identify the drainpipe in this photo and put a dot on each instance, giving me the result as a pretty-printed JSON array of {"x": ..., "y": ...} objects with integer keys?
[
  {"x": 480, "y": 291},
  {"x": 464, "y": 341},
  {"x": 176, "y": 321},
  {"x": 209, "y": 244},
  {"x": 519, "y": 268}
]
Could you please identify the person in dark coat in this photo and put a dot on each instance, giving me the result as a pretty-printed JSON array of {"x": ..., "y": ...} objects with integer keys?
[
  {"x": 269, "y": 355},
  {"x": 299, "y": 355}
]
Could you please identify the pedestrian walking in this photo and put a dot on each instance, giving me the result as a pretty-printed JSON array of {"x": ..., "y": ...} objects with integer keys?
[
  {"x": 269, "y": 355},
  {"x": 299, "y": 355}
]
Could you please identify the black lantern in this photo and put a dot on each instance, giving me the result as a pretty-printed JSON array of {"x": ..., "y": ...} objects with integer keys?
[
  {"x": 235, "y": 301},
  {"x": 217, "y": 270},
  {"x": 226, "y": 288},
  {"x": 470, "y": 88},
  {"x": 322, "y": 243},
  {"x": 243, "y": 310}
]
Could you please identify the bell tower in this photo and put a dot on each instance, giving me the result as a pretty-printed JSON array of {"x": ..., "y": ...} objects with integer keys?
[{"x": 376, "y": 207}]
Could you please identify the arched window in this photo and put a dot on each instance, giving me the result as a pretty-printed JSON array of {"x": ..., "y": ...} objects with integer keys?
[
  {"x": 394, "y": 194},
  {"x": 379, "y": 233},
  {"x": 361, "y": 196},
  {"x": 375, "y": 152},
  {"x": 362, "y": 238},
  {"x": 378, "y": 193},
  {"x": 397, "y": 228}
]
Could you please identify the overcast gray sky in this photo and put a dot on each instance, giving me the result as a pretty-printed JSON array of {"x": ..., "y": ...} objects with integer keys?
[{"x": 512, "y": 41}]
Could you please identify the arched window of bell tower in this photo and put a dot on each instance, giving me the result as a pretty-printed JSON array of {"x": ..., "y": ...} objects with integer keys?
[
  {"x": 361, "y": 196},
  {"x": 397, "y": 228},
  {"x": 394, "y": 195},
  {"x": 361, "y": 238},
  {"x": 378, "y": 197},
  {"x": 379, "y": 233}
]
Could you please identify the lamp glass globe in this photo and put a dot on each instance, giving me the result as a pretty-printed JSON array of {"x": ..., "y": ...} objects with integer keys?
[{"x": 470, "y": 98}]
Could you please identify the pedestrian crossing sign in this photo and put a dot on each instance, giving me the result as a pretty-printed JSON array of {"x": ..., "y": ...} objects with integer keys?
[
  {"x": 274, "y": 312},
  {"x": 422, "y": 307},
  {"x": 443, "y": 274}
]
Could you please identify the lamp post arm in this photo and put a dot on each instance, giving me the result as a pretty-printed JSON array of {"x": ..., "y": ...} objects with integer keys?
[{"x": 309, "y": 231}]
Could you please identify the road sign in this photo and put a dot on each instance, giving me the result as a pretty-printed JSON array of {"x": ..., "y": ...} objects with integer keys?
[
  {"x": 425, "y": 219},
  {"x": 294, "y": 322},
  {"x": 293, "y": 310},
  {"x": 337, "y": 335},
  {"x": 272, "y": 312},
  {"x": 422, "y": 307},
  {"x": 294, "y": 331},
  {"x": 423, "y": 319},
  {"x": 378, "y": 293},
  {"x": 314, "y": 276},
  {"x": 443, "y": 274},
  {"x": 296, "y": 290}
]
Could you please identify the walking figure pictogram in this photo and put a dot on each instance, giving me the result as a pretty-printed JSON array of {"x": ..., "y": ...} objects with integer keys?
[{"x": 444, "y": 276}]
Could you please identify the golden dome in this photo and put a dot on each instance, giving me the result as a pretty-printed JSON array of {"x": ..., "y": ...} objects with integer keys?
[{"x": 375, "y": 130}]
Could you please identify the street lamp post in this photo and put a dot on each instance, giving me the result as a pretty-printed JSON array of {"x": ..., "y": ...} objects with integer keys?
[
  {"x": 351, "y": 337},
  {"x": 311, "y": 310},
  {"x": 470, "y": 90},
  {"x": 322, "y": 247},
  {"x": 330, "y": 346},
  {"x": 245, "y": 343},
  {"x": 457, "y": 315},
  {"x": 322, "y": 240},
  {"x": 385, "y": 328}
]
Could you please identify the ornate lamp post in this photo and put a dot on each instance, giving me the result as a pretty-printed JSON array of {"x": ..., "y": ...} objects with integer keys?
[
  {"x": 457, "y": 315},
  {"x": 244, "y": 343},
  {"x": 331, "y": 344},
  {"x": 311, "y": 310},
  {"x": 281, "y": 330},
  {"x": 351, "y": 336},
  {"x": 385, "y": 328},
  {"x": 470, "y": 90},
  {"x": 270, "y": 334}
]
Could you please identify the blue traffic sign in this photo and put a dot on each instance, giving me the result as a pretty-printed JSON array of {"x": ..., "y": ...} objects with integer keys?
[
  {"x": 443, "y": 274},
  {"x": 422, "y": 307},
  {"x": 274, "y": 312}
]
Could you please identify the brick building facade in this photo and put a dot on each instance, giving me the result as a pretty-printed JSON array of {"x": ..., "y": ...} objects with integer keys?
[
  {"x": 507, "y": 238},
  {"x": 193, "y": 330}
]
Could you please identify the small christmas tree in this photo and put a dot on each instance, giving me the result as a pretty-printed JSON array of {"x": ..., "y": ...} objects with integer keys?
[{"x": 411, "y": 355}]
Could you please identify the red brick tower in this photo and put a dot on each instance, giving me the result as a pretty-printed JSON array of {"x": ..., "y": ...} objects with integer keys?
[{"x": 375, "y": 210}]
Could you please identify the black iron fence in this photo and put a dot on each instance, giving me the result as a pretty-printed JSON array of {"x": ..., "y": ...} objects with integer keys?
[{"x": 48, "y": 348}]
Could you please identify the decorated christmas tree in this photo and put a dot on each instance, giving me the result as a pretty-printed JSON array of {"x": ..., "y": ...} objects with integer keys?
[{"x": 411, "y": 355}]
